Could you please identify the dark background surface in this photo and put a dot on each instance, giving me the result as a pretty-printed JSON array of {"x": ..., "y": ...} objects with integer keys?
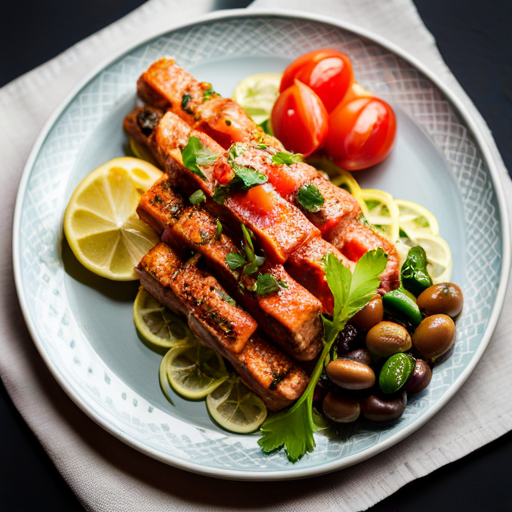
[{"x": 475, "y": 39}]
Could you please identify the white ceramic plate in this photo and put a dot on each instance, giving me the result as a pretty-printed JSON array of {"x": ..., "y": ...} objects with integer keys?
[{"x": 82, "y": 324}]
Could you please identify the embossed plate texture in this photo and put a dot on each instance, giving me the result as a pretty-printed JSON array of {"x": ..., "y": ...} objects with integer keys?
[{"x": 82, "y": 325}]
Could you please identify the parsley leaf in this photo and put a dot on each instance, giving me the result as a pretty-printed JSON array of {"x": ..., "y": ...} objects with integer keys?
[
  {"x": 253, "y": 266},
  {"x": 218, "y": 231},
  {"x": 226, "y": 297},
  {"x": 266, "y": 284},
  {"x": 262, "y": 146},
  {"x": 185, "y": 100},
  {"x": 249, "y": 177},
  {"x": 235, "y": 260},
  {"x": 209, "y": 93},
  {"x": 281, "y": 158},
  {"x": 195, "y": 154},
  {"x": 310, "y": 198},
  {"x": 293, "y": 428},
  {"x": 220, "y": 194},
  {"x": 235, "y": 150},
  {"x": 197, "y": 197}
]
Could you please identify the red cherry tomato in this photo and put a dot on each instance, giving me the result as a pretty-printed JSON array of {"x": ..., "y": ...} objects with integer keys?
[
  {"x": 299, "y": 119},
  {"x": 361, "y": 133},
  {"x": 328, "y": 72}
]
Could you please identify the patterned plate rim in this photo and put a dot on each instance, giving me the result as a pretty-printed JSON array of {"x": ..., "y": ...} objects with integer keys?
[{"x": 334, "y": 465}]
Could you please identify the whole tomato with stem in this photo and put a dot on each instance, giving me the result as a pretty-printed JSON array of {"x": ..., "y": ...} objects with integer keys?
[
  {"x": 361, "y": 133},
  {"x": 299, "y": 119},
  {"x": 328, "y": 72}
]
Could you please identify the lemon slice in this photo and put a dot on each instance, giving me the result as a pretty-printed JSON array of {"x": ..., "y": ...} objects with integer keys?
[
  {"x": 194, "y": 371},
  {"x": 235, "y": 407},
  {"x": 382, "y": 212},
  {"x": 415, "y": 220},
  {"x": 162, "y": 376},
  {"x": 100, "y": 223},
  {"x": 439, "y": 257},
  {"x": 257, "y": 94},
  {"x": 157, "y": 324},
  {"x": 141, "y": 152},
  {"x": 340, "y": 177}
]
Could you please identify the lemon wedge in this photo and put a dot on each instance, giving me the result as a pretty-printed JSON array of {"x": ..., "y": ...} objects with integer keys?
[
  {"x": 382, "y": 212},
  {"x": 194, "y": 370},
  {"x": 100, "y": 222},
  {"x": 157, "y": 324},
  {"x": 257, "y": 94},
  {"x": 235, "y": 407},
  {"x": 414, "y": 219}
]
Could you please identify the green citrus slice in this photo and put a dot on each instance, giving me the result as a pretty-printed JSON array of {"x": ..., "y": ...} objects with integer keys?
[{"x": 235, "y": 407}]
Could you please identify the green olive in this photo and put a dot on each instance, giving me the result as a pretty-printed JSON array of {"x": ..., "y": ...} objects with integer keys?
[
  {"x": 341, "y": 409},
  {"x": 443, "y": 298},
  {"x": 388, "y": 338},
  {"x": 378, "y": 408},
  {"x": 434, "y": 336},
  {"x": 395, "y": 372},
  {"x": 350, "y": 374},
  {"x": 371, "y": 314}
]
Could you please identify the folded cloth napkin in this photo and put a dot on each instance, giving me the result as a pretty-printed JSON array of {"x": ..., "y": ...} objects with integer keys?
[{"x": 107, "y": 475}]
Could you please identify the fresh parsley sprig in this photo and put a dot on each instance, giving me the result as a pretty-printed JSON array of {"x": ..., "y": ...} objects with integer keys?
[
  {"x": 310, "y": 198},
  {"x": 281, "y": 158},
  {"x": 196, "y": 155},
  {"x": 293, "y": 428}
]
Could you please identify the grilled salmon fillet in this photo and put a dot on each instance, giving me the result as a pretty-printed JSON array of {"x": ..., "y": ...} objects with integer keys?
[
  {"x": 290, "y": 316},
  {"x": 226, "y": 122},
  {"x": 189, "y": 291}
]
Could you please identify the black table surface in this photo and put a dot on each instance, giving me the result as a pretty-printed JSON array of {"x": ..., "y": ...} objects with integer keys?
[{"x": 475, "y": 39}]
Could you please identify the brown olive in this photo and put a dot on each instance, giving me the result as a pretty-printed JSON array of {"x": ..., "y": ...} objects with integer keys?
[
  {"x": 377, "y": 408},
  {"x": 434, "y": 336},
  {"x": 362, "y": 355},
  {"x": 443, "y": 298},
  {"x": 387, "y": 338},
  {"x": 420, "y": 377},
  {"x": 341, "y": 409},
  {"x": 371, "y": 314},
  {"x": 350, "y": 374}
]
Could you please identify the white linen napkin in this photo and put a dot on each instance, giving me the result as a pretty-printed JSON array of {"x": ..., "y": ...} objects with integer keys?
[{"x": 107, "y": 475}]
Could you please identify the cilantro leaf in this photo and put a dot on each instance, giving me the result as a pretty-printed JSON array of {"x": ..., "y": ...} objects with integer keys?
[
  {"x": 310, "y": 198},
  {"x": 218, "y": 231},
  {"x": 249, "y": 177},
  {"x": 235, "y": 260},
  {"x": 195, "y": 154},
  {"x": 293, "y": 428},
  {"x": 281, "y": 158},
  {"x": 185, "y": 100},
  {"x": 197, "y": 197}
]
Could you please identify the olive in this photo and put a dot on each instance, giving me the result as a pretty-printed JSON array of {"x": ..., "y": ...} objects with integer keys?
[
  {"x": 350, "y": 338},
  {"x": 420, "y": 377},
  {"x": 443, "y": 298},
  {"x": 395, "y": 372},
  {"x": 350, "y": 374},
  {"x": 388, "y": 338},
  {"x": 377, "y": 408},
  {"x": 362, "y": 355},
  {"x": 434, "y": 336},
  {"x": 371, "y": 314},
  {"x": 341, "y": 409}
]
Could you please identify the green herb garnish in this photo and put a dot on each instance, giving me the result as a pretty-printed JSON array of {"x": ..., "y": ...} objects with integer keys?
[
  {"x": 254, "y": 265},
  {"x": 235, "y": 260},
  {"x": 226, "y": 297},
  {"x": 185, "y": 100},
  {"x": 266, "y": 283},
  {"x": 195, "y": 155},
  {"x": 249, "y": 178},
  {"x": 208, "y": 94},
  {"x": 218, "y": 231},
  {"x": 310, "y": 198},
  {"x": 197, "y": 197},
  {"x": 261, "y": 146},
  {"x": 293, "y": 428},
  {"x": 228, "y": 122},
  {"x": 220, "y": 194},
  {"x": 281, "y": 158}
]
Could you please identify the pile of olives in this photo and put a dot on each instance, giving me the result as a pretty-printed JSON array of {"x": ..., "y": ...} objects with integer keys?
[{"x": 387, "y": 351}]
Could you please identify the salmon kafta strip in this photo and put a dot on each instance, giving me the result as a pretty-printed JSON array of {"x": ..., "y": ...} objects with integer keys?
[
  {"x": 165, "y": 85},
  {"x": 305, "y": 265},
  {"x": 289, "y": 316},
  {"x": 189, "y": 291}
]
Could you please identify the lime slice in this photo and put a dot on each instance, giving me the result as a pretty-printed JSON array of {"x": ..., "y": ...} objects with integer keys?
[
  {"x": 158, "y": 325},
  {"x": 340, "y": 178},
  {"x": 100, "y": 222},
  {"x": 141, "y": 152},
  {"x": 439, "y": 257},
  {"x": 235, "y": 407},
  {"x": 382, "y": 212},
  {"x": 194, "y": 371},
  {"x": 257, "y": 94},
  {"x": 415, "y": 220}
]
